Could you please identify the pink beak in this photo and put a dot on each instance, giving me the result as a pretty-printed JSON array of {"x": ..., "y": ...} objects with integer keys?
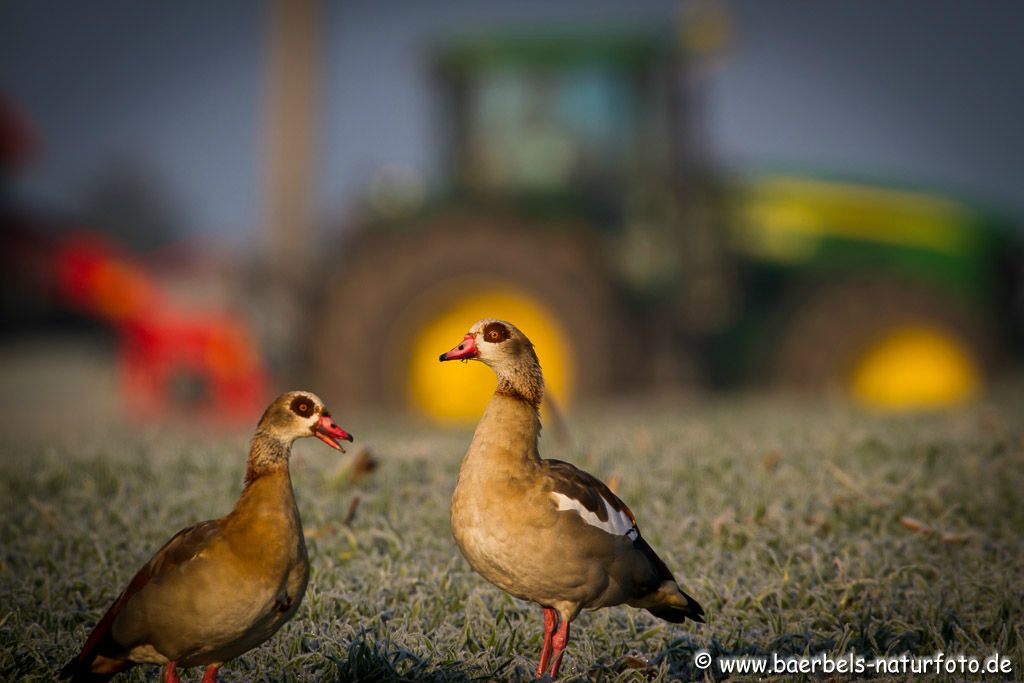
[
  {"x": 329, "y": 433},
  {"x": 464, "y": 351}
]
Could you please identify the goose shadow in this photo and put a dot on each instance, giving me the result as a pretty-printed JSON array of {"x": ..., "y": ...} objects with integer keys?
[{"x": 369, "y": 659}]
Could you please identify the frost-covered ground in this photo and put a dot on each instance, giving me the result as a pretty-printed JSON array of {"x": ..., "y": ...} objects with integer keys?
[{"x": 800, "y": 529}]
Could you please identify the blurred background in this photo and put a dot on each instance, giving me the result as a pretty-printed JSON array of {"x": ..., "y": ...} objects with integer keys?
[{"x": 205, "y": 204}]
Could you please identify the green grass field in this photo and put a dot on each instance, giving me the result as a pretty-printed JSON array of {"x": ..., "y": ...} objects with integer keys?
[{"x": 800, "y": 529}]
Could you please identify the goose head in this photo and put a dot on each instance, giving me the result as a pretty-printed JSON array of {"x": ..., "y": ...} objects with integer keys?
[
  {"x": 501, "y": 346},
  {"x": 298, "y": 414}
]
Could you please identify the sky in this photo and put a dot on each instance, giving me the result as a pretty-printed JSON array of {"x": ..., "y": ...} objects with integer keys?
[{"x": 924, "y": 92}]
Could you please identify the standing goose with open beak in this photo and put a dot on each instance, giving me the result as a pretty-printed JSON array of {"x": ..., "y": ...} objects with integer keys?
[{"x": 221, "y": 587}]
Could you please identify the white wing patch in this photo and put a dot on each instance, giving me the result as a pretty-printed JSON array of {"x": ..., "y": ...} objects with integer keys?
[{"x": 617, "y": 524}]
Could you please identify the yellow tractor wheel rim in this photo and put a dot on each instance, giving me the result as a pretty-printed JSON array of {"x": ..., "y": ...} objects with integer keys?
[
  {"x": 456, "y": 393},
  {"x": 918, "y": 367}
]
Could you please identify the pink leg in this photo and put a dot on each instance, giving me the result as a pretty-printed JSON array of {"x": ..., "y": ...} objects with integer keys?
[
  {"x": 171, "y": 673},
  {"x": 558, "y": 642},
  {"x": 550, "y": 622},
  {"x": 210, "y": 675}
]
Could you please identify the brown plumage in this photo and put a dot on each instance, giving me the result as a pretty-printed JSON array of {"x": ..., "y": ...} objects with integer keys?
[
  {"x": 544, "y": 530},
  {"x": 218, "y": 588}
]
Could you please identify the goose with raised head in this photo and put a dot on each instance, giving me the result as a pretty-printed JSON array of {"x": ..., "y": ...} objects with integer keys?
[
  {"x": 219, "y": 588},
  {"x": 544, "y": 530}
]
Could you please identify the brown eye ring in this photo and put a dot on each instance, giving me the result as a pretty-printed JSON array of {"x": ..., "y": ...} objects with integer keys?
[
  {"x": 496, "y": 333},
  {"x": 302, "y": 406}
]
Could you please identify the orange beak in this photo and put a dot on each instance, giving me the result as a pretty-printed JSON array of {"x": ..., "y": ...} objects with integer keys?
[
  {"x": 329, "y": 433},
  {"x": 464, "y": 351}
]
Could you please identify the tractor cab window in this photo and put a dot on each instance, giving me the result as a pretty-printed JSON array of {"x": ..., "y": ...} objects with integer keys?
[{"x": 550, "y": 131}]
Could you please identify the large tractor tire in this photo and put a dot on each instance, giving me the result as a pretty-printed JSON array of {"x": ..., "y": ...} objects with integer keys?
[
  {"x": 400, "y": 299},
  {"x": 888, "y": 344}
]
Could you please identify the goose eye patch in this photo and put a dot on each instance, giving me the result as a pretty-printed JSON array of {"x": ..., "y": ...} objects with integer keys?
[
  {"x": 496, "y": 333},
  {"x": 302, "y": 406}
]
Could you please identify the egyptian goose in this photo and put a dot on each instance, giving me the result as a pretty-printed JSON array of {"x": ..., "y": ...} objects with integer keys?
[
  {"x": 544, "y": 530},
  {"x": 221, "y": 587}
]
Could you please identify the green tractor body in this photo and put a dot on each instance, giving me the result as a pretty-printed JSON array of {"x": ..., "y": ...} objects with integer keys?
[{"x": 579, "y": 203}]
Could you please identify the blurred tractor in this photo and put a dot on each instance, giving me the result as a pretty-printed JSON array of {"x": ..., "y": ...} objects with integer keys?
[
  {"x": 580, "y": 208},
  {"x": 173, "y": 359}
]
